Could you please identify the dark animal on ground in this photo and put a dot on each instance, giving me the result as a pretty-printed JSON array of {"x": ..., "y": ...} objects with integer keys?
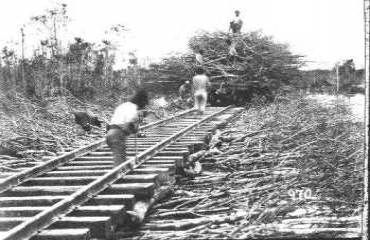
[{"x": 85, "y": 120}]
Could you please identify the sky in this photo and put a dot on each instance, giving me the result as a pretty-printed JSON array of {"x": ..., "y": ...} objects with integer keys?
[{"x": 324, "y": 31}]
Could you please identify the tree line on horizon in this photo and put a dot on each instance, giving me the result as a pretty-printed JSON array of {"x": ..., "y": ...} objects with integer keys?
[{"x": 85, "y": 69}]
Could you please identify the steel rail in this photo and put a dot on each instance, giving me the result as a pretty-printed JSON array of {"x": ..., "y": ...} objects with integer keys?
[
  {"x": 22, "y": 176},
  {"x": 45, "y": 218}
]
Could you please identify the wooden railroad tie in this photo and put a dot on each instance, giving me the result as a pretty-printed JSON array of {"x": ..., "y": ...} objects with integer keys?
[{"x": 80, "y": 195}]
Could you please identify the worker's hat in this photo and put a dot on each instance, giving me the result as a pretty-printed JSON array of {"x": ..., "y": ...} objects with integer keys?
[{"x": 237, "y": 11}]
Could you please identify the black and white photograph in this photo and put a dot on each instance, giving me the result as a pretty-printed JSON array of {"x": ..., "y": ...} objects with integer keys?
[{"x": 184, "y": 119}]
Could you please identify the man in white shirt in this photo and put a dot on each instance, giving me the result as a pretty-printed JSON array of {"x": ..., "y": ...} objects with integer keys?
[
  {"x": 125, "y": 121},
  {"x": 201, "y": 84},
  {"x": 237, "y": 23}
]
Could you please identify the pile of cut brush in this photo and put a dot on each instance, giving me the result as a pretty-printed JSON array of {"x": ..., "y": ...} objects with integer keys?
[
  {"x": 33, "y": 129},
  {"x": 290, "y": 169},
  {"x": 258, "y": 59}
]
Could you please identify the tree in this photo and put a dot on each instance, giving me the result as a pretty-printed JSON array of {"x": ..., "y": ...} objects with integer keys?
[
  {"x": 53, "y": 20},
  {"x": 108, "y": 62},
  {"x": 39, "y": 69},
  {"x": 76, "y": 59},
  {"x": 9, "y": 69},
  {"x": 345, "y": 74}
]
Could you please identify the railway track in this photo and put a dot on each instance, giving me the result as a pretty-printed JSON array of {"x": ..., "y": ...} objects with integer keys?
[{"x": 80, "y": 195}]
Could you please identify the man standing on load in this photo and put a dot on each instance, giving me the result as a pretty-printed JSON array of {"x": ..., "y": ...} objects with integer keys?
[
  {"x": 200, "y": 85},
  {"x": 237, "y": 23}
]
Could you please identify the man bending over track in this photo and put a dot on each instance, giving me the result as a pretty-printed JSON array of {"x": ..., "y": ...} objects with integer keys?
[
  {"x": 200, "y": 85},
  {"x": 124, "y": 122}
]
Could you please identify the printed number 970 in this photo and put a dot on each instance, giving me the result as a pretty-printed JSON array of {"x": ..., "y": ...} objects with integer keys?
[{"x": 300, "y": 194}]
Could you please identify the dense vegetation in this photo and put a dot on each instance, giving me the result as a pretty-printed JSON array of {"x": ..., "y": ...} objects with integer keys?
[
  {"x": 348, "y": 78},
  {"x": 83, "y": 68}
]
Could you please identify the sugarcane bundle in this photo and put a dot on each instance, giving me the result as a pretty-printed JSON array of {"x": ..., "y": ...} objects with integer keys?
[{"x": 259, "y": 59}]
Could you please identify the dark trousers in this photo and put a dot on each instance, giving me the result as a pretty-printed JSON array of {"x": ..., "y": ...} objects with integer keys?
[{"x": 116, "y": 140}]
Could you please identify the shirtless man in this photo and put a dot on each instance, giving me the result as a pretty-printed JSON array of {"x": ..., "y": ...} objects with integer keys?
[{"x": 200, "y": 85}]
